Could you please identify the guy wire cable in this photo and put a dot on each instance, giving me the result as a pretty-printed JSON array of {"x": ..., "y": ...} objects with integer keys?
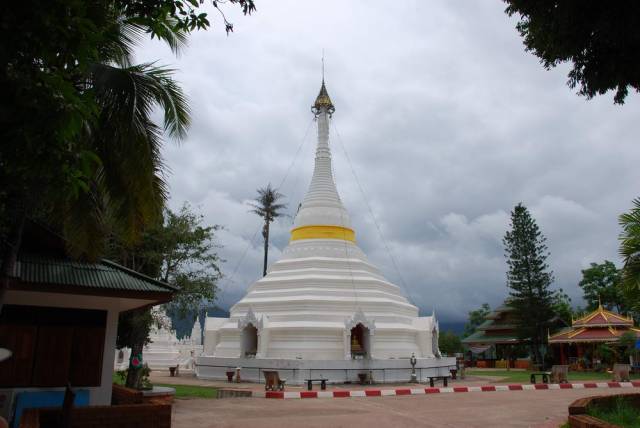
[
  {"x": 229, "y": 280},
  {"x": 373, "y": 217}
]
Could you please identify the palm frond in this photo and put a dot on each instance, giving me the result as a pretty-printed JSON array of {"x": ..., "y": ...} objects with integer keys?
[
  {"x": 630, "y": 246},
  {"x": 266, "y": 206},
  {"x": 84, "y": 225},
  {"x": 167, "y": 31},
  {"x": 129, "y": 142},
  {"x": 132, "y": 93},
  {"x": 121, "y": 42}
]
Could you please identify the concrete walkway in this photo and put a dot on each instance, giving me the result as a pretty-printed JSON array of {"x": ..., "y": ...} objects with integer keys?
[{"x": 494, "y": 409}]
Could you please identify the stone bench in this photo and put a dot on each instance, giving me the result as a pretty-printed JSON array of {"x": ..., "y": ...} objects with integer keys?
[
  {"x": 545, "y": 376},
  {"x": 445, "y": 380},
  {"x": 323, "y": 383}
]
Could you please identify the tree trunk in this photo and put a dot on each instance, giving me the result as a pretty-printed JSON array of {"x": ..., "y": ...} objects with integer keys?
[
  {"x": 10, "y": 256},
  {"x": 266, "y": 248},
  {"x": 134, "y": 374}
]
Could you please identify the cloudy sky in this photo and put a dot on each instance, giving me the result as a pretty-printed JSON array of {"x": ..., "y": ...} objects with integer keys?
[{"x": 448, "y": 124}]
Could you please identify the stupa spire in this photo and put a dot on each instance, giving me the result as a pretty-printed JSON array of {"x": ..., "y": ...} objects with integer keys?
[
  {"x": 322, "y": 215},
  {"x": 323, "y": 102}
]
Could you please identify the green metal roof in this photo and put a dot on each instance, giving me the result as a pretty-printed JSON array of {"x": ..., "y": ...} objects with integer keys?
[
  {"x": 480, "y": 337},
  {"x": 492, "y": 325},
  {"x": 102, "y": 275}
]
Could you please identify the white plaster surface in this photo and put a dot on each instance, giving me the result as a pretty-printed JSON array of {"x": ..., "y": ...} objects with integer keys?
[
  {"x": 305, "y": 307},
  {"x": 164, "y": 350}
]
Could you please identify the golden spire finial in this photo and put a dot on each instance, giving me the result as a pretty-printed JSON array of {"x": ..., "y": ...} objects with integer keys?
[
  {"x": 599, "y": 303},
  {"x": 322, "y": 100}
]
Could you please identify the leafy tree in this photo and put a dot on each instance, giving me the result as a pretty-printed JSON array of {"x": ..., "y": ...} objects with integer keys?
[
  {"x": 529, "y": 279},
  {"x": 630, "y": 253},
  {"x": 449, "y": 343},
  {"x": 476, "y": 317},
  {"x": 605, "y": 353},
  {"x": 600, "y": 283},
  {"x": 599, "y": 38},
  {"x": 561, "y": 305},
  {"x": 79, "y": 147},
  {"x": 266, "y": 206},
  {"x": 181, "y": 252},
  {"x": 628, "y": 343}
]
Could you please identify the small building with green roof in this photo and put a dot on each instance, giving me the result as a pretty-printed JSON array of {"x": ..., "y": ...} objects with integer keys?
[
  {"x": 495, "y": 338},
  {"x": 60, "y": 320}
]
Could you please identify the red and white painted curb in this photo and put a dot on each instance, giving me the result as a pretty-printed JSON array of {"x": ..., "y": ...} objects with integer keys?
[{"x": 345, "y": 393}]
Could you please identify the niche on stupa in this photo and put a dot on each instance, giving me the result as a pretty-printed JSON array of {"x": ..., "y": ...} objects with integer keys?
[
  {"x": 249, "y": 341},
  {"x": 358, "y": 335},
  {"x": 360, "y": 342}
]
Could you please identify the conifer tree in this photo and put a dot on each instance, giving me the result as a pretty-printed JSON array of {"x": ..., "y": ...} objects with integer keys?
[{"x": 529, "y": 280}]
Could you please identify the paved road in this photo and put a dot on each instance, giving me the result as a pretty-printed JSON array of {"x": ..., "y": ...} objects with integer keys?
[{"x": 546, "y": 408}]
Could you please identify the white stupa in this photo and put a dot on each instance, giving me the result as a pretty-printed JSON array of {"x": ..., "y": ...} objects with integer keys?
[
  {"x": 323, "y": 308},
  {"x": 164, "y": 349}
]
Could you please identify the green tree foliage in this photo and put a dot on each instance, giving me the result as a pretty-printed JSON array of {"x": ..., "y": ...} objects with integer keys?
[
  {"x": 529, "y": 279},
  {"x": 266, "y": 206},
  {"x": 600, "y": 283},
  {"x": 561, "y": 306},
  {"x": 627, "y": 344},
  {"x": 181, "y": 252},
  {"x": 449, "y": 343},
  {"x": 630, "y": 253},
  {"x": 79, "y": 146},
  {"x": 600, "y": 39},
  {"x": 476, "y": 317}
]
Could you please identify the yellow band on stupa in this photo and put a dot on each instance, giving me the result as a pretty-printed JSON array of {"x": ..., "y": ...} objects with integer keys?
[{"x": 323, "y": 232}]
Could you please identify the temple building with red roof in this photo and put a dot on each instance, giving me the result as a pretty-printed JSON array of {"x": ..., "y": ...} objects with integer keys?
[{"x": 577, "y": 344}]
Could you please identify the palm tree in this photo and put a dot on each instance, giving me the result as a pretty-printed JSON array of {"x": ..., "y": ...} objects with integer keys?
[
  {"x": 120, "y": 188},
  {"x": 126, "y": 190},
  {"x": 630, "y": 253},
  {"x": 266, "y": 206}
]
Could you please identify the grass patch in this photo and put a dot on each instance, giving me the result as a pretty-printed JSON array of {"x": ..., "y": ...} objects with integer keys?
[
  {"x": 182, "y": 391},
  {"x": 622, "y": 413},
  {"x": 192, "y": 391},
  {"x": 525, "y": 376}
]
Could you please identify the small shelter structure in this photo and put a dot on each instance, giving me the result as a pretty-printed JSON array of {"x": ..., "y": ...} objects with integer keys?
[
  {"x": 60, "y": 320},
  {"x": 493, "y": 341},
  {"x": 577, "y": 345}
]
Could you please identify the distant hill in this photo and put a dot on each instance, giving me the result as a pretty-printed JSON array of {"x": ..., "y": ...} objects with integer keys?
[
  {"x": 455, "y": 326},
  {"x": 183, "y": 325}
]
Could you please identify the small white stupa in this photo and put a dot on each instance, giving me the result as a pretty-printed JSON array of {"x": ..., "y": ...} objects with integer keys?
[
  {"x": 323, "y": 309},
  {"x": 196, "y": 333},
  {"x": 164, "y": 350}
]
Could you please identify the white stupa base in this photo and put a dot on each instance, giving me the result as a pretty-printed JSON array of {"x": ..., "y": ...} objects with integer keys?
[
  {"x": 336, "y": 371},
  {"x": 184, "y": 357}
]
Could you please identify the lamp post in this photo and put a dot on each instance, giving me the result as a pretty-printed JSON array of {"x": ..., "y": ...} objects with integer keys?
[{"x": 413, "y": 361}]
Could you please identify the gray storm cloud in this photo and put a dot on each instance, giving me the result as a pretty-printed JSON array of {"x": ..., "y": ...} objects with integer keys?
[{"x": 448, "y": 124}]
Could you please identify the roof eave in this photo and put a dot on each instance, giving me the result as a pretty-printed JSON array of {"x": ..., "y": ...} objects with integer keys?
[{"x": 157, "y": 296}]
